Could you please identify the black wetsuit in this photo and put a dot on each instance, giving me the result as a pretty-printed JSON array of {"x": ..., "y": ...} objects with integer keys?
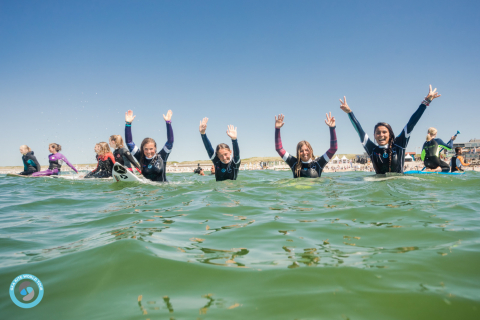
[
  {"x": 124, "y": 157},
  {"x": 155, "y": 168},
  {"x": 431, "y": 154},
  {"x": 379, "y": 154},
  {"x": 30, "y": 164},
  {"x": 224, "y": 171},
  {"x": 104, "y": 167}
]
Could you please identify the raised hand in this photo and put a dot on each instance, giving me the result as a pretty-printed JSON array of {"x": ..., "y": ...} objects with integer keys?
[
  {"x": 232, "y": 132},
  {"x": 344, "y": 106},
  {"x": 203, "y": 125},
  {"x": 168, "y": 117},
  {"x": 330, "y": 121},
  {"x": 129, "y": 116},
  {"x": 432, "y": 94},
  {"x": 279, "y": 121}
]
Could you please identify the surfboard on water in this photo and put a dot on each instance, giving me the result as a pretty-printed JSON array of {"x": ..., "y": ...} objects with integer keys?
[
  {"x": 18, "y": 175},
  {"x": 430, "y": 172},
  {"x": 121, "y": 174}
]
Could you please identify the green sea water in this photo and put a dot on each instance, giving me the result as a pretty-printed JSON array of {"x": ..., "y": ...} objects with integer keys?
[{"x": 346, "y": 246}]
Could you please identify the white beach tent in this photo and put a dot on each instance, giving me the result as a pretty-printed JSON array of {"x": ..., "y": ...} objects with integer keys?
[
  {"x": 336, "y": 159},
  {"x": 344, "y": 159},
  {"x": 408, "y": 158}
]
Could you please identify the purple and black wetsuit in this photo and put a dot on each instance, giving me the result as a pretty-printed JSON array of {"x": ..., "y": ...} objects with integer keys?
[
  {"x": 56, "y": 160},
  {"x": 154, "y": 168},
  {"x": 312, "y": 168}
]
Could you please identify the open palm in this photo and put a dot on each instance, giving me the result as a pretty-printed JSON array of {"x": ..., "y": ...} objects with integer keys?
[
  {"x": 279, "y": 121},
  {"x": 129, "y": 116},
  {"x": 232, "y": 132}
]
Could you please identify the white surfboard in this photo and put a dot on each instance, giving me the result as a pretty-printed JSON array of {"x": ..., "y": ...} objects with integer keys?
[{"x": 121, "y": 174}]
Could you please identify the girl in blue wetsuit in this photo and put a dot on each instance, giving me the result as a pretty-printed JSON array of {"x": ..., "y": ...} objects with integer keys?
[
  {"x": 431, "y": 152},
  {"x": 226, "y": 166},
  {"x": 152, "y": 164},
  {"x": 389, "y": 153},
  {"x": 305, "y": 164},
  {"x": 30, "y": 162}
]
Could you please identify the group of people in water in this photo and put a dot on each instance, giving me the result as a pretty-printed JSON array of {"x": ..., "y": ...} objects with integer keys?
[{"x": 387, "y": 155}]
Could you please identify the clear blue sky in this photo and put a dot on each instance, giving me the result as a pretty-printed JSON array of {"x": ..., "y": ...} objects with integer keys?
[{"x": 70, "y": 69}]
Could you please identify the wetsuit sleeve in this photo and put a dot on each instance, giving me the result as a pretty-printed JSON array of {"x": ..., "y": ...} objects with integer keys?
[
  {"x": 236, "y": 152},
  {"x": 37, "y": 164},
  {"x": 128, "y": 155},
  {"x": 167, "y": 148},
  {"x": 460, "y": 158},
  {"x": 208, "y": 147},
  {"x": 404, "y": 137},
  {"x": 323, "y": 160},
  {"x": 98, "y": 162},
  {"x": 282, "y": 152},
  {"x": 367, "y": 144},
  {"x": 69, "y": 164},
  {"x": 448, "y": 145},
  {"x": 129, "y": 140}
]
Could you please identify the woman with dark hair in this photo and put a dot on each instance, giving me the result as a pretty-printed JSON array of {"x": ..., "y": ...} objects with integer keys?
[
  {"x": 305, "y": 165},
  {"x": 389, "y": 153},
  {"x": 152, "y": 164},
  {"x": 55, "y": 159},
  {"x": 226, "y": 167}
]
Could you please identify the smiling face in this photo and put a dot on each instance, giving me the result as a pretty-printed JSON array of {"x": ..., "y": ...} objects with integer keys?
[
  {"x": 97, "y": 148},
  {"x": 224, "y": 155},
  {"x": 382, "y": 135},
  {"x": 305, "y": 153},
  {"x": 149, "y": 150}
]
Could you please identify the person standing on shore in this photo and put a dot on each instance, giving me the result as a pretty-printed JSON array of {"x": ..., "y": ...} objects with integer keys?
[
  {"x": 152, "y": 164},
  {"x": 225, "y": 166},
  {"x": 389, "y": 153},
  {"x": 305, "y": 164},
  {"x": 30, "y": 162}
]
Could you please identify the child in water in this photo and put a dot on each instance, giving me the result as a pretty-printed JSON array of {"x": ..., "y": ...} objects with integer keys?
[
  {"x": 30, "y": 162},
  {"x": 105, "y": 162},
  {"x": 56, "y": 159}
]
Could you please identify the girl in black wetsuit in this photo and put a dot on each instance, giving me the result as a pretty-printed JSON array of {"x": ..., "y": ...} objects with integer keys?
[
  {"x": 389, "y": 153},
  {"x": 305, "y": 165},
  {"x": 121, "y": 154},
  {"x": 105, "y": 162},
  {"x": 30, "y": 162},
  {"x": 226, "y": 167},
  {"x": 431, "y": 152},
  {"x": 153, "y": 165}
]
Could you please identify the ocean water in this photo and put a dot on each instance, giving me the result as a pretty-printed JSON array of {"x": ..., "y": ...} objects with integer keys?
[{"x": 346, "y": 246}]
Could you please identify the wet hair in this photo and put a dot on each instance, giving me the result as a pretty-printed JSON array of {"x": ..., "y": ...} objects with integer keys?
[
  {"x": 390, "y": 141},
  {"x": 104, "y": 148},
  {"x": 431, "y": 132},
  {"x": 144, "y": 142},
  {"x": 222, "y": 146},
  {"x": 25, "y": 147},
  {"x": 56, "y": 146},
  {"x": 298, "y": 166},
  {"x": 117, "y": 139},
  {"x": 457, "y": 149}
]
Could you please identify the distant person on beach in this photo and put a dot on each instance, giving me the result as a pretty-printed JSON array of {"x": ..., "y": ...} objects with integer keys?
[
  {"x": 389, "y": 154},
  {"x": 457, "y": 162},
  {"x": 121, "y": 154},
  {"x": 226, "y": 166},
  {"x": 199, "y": 170},
  {"x": 105, "y": 162},
  {"x": 55, "y": 159},
  {"x": 152, "y": 164},
  {"x": 431, "y": 152},
  {"x": 305, "y": 165},
  {"x": 30, "y": 162}
]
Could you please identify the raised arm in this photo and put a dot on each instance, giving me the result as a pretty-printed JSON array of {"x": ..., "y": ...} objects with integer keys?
[
  {"x": 206, "y": 142},
  {"x": 404, "y": 136},
  {"x": 278, "y": 139},
  {"x": 129, "y": 117},
  {"x": 368, "y": 145},
  {"x": 330, "y": 121},
  {"x": 69, "y": 164},
  {"x": 232, "y": 133},
  {"x": 169, "y": 144}
]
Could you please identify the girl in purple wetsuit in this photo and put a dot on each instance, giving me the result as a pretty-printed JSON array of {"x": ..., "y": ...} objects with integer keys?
[{"x": 56, "y": 159}]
